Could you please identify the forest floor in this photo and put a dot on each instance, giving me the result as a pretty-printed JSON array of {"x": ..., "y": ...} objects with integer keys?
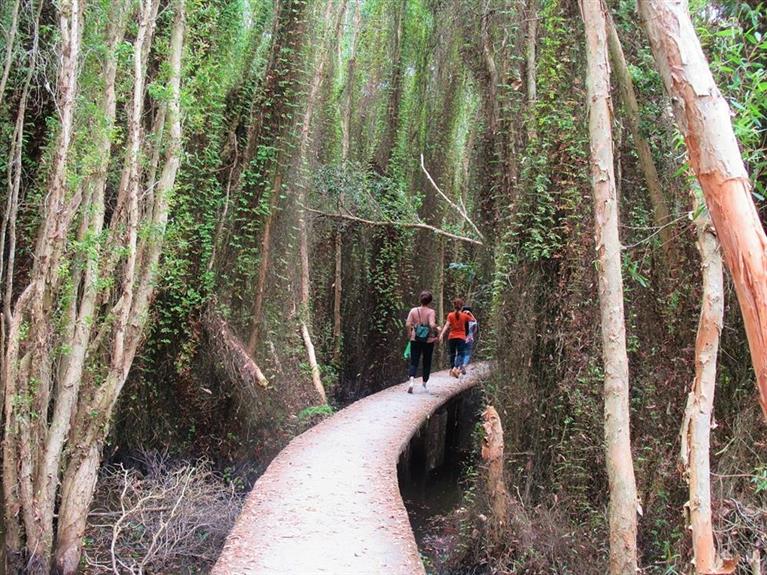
[{"x": 330, "y": 501}]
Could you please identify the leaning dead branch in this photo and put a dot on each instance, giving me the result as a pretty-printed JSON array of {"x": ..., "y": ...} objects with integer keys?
[
  {"x": 231, "y": 353},
  {"x": 460, "y": 209},
  {"x": 392, "y": 224}
]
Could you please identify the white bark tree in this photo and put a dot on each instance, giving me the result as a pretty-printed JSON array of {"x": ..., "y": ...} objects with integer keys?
[
  {"x": 703, "y": 117},
  {"x": 696, "y": 427},
  {"x": 75, "y": 328},
  {"x": 620, "y": 468}
]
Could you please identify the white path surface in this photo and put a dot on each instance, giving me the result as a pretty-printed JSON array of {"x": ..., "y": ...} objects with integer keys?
[{"x": 329, "y": 503}]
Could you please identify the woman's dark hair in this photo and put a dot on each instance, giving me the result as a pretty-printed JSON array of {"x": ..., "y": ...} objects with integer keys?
[{"x": 425, "y": 297}]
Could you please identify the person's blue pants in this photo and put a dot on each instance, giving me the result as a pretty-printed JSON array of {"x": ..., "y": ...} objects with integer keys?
[{"x": 467, "y": 351}]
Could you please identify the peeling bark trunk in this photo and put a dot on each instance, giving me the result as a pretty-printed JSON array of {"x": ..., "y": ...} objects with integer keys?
[
  {"x": 704, "y": 118},
  {"x": 29, "y": 366},
  {"x": 89, "y": 432},
  {"x": 492, "y": 455},
  {"x": 696, "y": 429},
  {"x": 620, "y": 469},
  {"x": 661, "y": 213}
]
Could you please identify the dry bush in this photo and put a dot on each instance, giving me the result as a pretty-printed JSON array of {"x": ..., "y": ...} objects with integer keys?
[
  {"x": 740, "y": 489},
  {"x": 164, "y": 518},
  {"x": 540, "y": 540}
]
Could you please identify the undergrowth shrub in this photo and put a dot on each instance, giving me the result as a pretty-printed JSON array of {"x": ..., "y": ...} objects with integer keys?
[{"x": 160, "y": 516}]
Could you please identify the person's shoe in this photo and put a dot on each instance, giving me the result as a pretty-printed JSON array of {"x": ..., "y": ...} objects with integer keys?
[
  {"x": 454, "y": 372},
  {"x": 424, "y": 385},
  {"x": 410, "y": 388},
  {"x": 463, "y": 370}
]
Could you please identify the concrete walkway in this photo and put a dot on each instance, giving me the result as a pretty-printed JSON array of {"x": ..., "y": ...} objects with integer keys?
[{"x": 329, "y": 503}]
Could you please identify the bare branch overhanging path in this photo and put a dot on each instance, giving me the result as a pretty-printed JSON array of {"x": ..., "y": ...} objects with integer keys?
[{"x": 330, "y": 502}]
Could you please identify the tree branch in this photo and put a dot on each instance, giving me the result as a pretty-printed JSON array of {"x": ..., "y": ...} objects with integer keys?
[
  {"x": 420, "y": 226},
  {"x": 460, "y": 209}
]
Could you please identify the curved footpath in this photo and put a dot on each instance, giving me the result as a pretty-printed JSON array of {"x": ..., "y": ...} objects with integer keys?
[{"x": 329, "y": 503}]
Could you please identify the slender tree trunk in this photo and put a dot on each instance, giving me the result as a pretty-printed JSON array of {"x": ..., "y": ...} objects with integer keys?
[
  {"x": 346, "y": 130},
  {"x": 90, "y": 431},
  {"x": 386, "y": 146},
  {"x": 620, "y": 469},
  {"x": 351, "y": 68},
  {"x": 10, "y": 39},
  {"x": 441, "y": 293},
  {"x": 14, "y": 185},
  {"x": 337, "y": 297},
  {"x": 696, "y": 428},
  {"x": 263, "y": 266},
  {"x": 530, "y": 64},
  {"x": 661, "y": 213},
  {"x": 303, "y": 152},
  {"x": 704, "y": 118}
]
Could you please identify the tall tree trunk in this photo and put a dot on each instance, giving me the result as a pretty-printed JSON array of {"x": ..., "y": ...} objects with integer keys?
[
  {"x": 301, "y": 185},
  {"x": 620, "y": 469},
  {"x": 263, "y": 266},
  {"x": 386, "y": 146},
  {"x": 351, "y": 68},
  {"x": 275, "y": 98},
  {"x": 704, "y": 118},
  {"x": 10, "y": 40},
  {"x": 661, "y": 213},
  {"x": 89, "y": 432},
  {"x": 8, "y": 231},
  {"x": 337, "y": 298},
  {"x": 530, "y": 64},
  {"x": 696, "y": 428},
  {"x": 26, "y": 370}
]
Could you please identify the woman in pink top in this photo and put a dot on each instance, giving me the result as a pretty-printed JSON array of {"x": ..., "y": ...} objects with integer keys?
[{"x": 421, "y": 327}]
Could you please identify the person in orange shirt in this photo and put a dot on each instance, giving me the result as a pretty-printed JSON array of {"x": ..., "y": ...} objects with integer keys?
[{"x": 455, "y": 329}]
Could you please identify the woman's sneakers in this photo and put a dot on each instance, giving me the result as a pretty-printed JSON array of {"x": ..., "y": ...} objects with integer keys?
[{"x": 412, "y": 383}]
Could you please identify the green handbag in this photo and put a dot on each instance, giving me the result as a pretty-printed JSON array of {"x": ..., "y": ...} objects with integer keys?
[{"x": 422, "y": 330}]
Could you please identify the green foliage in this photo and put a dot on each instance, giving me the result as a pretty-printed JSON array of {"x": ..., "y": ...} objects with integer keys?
[
  {"x": 736, "y": 43},
  {"x": 314, "y": 411},
  {"x": 760, "y": 479}
]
